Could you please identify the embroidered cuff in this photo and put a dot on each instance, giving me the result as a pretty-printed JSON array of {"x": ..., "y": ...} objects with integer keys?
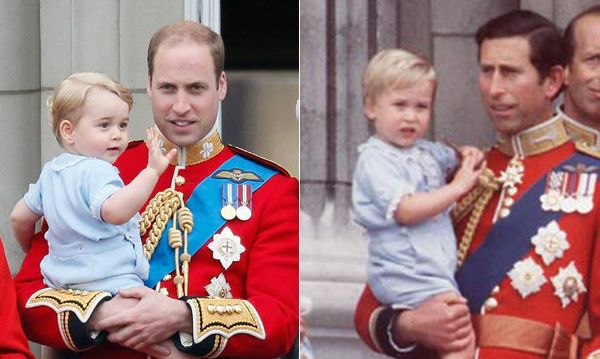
[
  {"x": 594, "y": 355},
  {"x": 226, "y": 317},
  {"x": 383, "y": 333},
  {"x": 211, "y": 347},
  {"x": 73, "y": 308}
]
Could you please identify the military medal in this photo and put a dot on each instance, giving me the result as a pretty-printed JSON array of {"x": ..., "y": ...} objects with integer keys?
[
  {"x": 226, "y": 247},
  {"x": 585, "y": 192},
  {"x": 568, "y": 283},
  {"x": 227, "y": 195},
  {"x": 219, "y": 288},
  {"x": 244, "y": 197},
  {"x": 552, "y": 198},
  {"x": 527, "y": 277},
  {"x": 569, "y": 204},
  {"x": 550, "y": 242}
]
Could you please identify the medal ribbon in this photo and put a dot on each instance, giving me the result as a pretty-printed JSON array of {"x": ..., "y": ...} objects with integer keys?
[
  {"x": 504, "y": 246},
  {"x": 205, "y": 203}
]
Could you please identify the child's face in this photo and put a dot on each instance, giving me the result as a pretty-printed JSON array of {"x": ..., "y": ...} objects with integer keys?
[
  {"x": 401, "y": 116},
  {"x": 101, "y": 131}
]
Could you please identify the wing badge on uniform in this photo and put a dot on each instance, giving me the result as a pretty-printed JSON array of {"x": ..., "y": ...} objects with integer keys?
[{"x": 237, "y": 175}]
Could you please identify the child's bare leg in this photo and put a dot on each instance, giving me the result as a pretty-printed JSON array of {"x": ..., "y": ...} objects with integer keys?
[{"x": 467, "y": 353}]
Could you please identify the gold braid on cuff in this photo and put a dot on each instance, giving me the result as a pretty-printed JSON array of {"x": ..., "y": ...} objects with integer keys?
[{"x": 226, "y": 317}]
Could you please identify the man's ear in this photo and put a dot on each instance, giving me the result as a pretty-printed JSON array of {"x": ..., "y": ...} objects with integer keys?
[
  {"x": 222, "y": 86},
  {"x": 567, "y": 74},
  {"x": 149, "y": 86},
  {"x": 554, "y": 81},
  {"x": 66, "y": 131}
]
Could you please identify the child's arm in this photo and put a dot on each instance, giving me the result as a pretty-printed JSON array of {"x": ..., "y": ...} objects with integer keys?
[
  {"x": 418, "y": 207},
  {"x": 126, "y": 202},
  {"x": 23, "y": 222}
]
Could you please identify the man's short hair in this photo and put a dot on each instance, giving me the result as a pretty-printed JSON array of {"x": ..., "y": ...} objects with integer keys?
[
  {"x": 569, "y": 36},
  {"x": 394, "y": 69},
  {"x": 545, "y": 40},
  {"x": 69, "y": 96},
  {"x": 188, "y": 31}
]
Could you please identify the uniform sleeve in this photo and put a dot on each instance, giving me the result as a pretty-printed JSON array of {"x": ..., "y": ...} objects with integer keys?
[
  {"x": 591, "y": 348},
  {"x": 378, "y": 187},
  {"x": 13, "y": 343},
  {"x": 272, "y": 285},
  {"x": 41, "y": 323},
  {"x": 445, "y": 156},
  {"x": 373, "y": 320}
]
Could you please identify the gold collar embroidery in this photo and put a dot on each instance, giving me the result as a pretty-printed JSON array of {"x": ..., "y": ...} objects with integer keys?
[
  {"x": 196, "y": 153},
  {"x": 580, "y": 132},
  {"x": 536, "y": 139}
]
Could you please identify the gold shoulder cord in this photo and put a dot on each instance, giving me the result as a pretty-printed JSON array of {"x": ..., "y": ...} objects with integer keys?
[
  {"x": 477, "y": 199},
  {"x": 169, "y": 204}
]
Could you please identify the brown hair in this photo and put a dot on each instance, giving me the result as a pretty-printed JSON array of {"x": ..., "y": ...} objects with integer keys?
[
  {"x": 545, "y": 41},
  {"x": 188, "y": 30}
]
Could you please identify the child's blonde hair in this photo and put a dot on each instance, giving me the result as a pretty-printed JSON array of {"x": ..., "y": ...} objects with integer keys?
[
  {"x": 394, "y": 69},
  {"x": 70, "y": 94}
]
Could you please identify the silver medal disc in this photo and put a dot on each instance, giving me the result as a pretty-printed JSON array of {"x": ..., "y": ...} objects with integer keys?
[
  {"x": 228, "y": 212},
  {"x": 244, "y": 213}
]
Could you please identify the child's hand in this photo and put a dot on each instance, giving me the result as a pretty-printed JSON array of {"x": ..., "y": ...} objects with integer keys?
[
  {"x": 156, "y": 160},
  {"x": 466, "y": 151},
  {"x": 467, "y": 175}
]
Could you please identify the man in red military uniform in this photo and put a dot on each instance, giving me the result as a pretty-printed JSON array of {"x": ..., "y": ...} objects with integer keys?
[
  {"x": 581, "y": 107},
  {"x": 13, "y": 344},
  {"x": 527, "y": 234},
  {"x": 221, "y": 233}
]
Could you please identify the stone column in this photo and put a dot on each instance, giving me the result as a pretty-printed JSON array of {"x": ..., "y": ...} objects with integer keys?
[{"x": 19, "y": 101}]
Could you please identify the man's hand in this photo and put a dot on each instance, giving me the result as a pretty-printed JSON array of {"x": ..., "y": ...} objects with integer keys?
[
  {"x": 441, "y": 323},
  {"x": 153, "y": 320}
]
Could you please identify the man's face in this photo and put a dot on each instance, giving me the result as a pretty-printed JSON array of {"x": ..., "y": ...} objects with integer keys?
[
  {"x": 184, "y": 92},
  {"x": 582, "y": 96},
  {"x": 514, "y": 96}
]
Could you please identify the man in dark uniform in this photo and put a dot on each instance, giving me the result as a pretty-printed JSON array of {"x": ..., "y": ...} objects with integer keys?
[{"x": 221, "y": 233}]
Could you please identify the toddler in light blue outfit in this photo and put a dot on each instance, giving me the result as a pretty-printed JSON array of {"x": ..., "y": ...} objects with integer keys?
[
  {"x": 93, "y": 235},
  {"x": 399, "y": 190}
]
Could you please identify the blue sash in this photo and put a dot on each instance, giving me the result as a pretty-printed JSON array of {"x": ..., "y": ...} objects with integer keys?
[
  {"x": 205, "y": 204},
  {"x": 508, "y": 241}
]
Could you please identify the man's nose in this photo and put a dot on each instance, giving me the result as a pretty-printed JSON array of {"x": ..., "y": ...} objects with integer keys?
[
  {"x": 497, "y": 86},
  {"x": 181, "y": 105}
]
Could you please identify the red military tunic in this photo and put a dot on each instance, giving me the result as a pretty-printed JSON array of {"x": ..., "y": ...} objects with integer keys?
[
  {"x": 542, "y": 304},
  {"x": 13, "y": 344},
  {"x": 266, "y": 274}
]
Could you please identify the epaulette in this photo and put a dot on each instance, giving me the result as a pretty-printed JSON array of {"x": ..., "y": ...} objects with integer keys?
[
  {"x": 259, "y": 159},
  {"x": 587, "y": 149}
]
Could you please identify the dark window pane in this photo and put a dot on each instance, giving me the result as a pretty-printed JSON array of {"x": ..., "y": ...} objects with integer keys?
[{"x": 260, "y": 34}]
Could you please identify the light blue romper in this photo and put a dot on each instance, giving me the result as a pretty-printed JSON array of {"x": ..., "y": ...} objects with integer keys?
[
  {"x": 85, "y": 253},
  {"x": 407, "y": 264}
]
